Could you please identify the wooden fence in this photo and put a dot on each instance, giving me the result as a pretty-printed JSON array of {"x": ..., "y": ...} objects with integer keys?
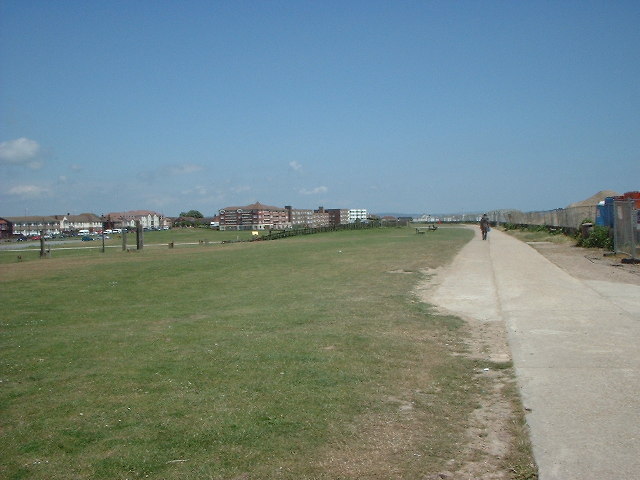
[{"x": 277, "y": 234}]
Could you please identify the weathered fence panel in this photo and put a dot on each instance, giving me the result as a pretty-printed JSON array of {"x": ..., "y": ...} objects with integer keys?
[
  {"x": 626, "y": 228},
  {"x": 562, "y": 217}
]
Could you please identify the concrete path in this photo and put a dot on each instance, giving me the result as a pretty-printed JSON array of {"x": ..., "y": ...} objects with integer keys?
[{"x": 576, "y": 350}]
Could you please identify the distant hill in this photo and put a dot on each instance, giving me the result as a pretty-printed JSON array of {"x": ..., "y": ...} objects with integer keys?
[{"x": 594, "y": 199}]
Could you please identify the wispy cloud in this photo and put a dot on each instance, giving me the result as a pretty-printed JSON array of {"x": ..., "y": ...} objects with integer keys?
[
  {"x": 184, "y": 169},
  {"x": 295, "y": 166},
  {"x": 28, "y": 191},
  {"x": 21, "y": 151},
  {"x": 313, "y": 191}
]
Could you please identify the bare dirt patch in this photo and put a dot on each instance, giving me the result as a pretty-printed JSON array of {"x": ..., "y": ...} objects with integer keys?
[
  {"x": 491, "y": 437},
  {"x": 589, "y": 263}
]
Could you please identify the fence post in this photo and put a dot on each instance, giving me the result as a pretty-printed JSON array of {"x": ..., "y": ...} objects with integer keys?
[
  {"x": 139, "y": 235},
  {"x": 43, "y": 253}
]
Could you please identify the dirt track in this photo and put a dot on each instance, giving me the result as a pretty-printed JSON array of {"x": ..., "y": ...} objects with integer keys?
[{"x": 589, "y": 263}]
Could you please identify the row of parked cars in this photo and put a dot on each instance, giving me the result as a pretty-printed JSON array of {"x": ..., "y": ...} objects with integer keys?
[
  {"x": 23, "y": 238},
  {"x": 51, "y": 236},
  {"x": 85, "y": 235}
]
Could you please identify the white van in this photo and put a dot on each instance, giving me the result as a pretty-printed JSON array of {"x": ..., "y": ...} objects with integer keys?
[{"x": 83, "y": 232}]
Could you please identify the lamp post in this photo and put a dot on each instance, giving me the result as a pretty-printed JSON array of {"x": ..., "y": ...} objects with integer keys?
[{"x": 102, "y": 217}]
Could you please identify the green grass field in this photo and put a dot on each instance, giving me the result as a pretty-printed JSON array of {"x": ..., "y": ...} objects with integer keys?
[{"x": 302, "y": 358}]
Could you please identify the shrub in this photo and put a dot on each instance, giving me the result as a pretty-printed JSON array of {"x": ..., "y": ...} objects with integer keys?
[{"x": 599, "y": 237}]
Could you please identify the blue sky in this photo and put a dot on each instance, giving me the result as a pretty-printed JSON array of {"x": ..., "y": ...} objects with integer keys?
[{"x": 392, "y": 106}]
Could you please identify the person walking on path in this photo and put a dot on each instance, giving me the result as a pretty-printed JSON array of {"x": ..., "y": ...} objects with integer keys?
[{"x": 484, "y": 226}]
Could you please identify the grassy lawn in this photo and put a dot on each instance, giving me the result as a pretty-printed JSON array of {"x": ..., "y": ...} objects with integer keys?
[{"x": 303, "y": 358}]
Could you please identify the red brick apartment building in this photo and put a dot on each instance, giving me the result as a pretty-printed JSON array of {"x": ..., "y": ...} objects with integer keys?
[
  {"x": 300, "y": 216},
  {"x": 321, "y": 217},
  {"x": 263, "y": 217},
  {"x": 254, "y": 217},
  {"x": 338, "y": 216},
  {"x": 6, "y": 229}
]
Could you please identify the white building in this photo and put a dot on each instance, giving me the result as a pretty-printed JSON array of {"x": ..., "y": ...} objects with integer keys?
[
  {"x": 426, "y": 218},
  {"x": 55, "y": 224},
  {"x": 356, "y": 214},
  {"x": 148, "y": 219}
]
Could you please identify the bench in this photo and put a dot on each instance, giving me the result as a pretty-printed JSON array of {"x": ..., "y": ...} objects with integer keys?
[{"x": 430, "y": 228}]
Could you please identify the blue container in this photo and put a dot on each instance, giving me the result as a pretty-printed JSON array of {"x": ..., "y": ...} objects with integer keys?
[
  {"x": 600, "y": 213},
  {"x": 604, "y": 213}
]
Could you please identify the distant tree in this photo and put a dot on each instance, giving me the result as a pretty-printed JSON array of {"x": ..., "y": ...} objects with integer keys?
[{"x": 192, "y": 213}]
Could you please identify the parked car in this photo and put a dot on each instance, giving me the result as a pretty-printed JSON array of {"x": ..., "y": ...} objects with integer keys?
[{"x": 87, "y": 238}]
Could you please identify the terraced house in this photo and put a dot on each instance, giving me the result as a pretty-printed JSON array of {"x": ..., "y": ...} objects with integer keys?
[{"x": 51, "y": 224}]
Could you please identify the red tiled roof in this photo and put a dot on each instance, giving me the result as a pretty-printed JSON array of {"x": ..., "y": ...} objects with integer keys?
[
  {"x": 256, "y": 206},
  {"x": 131, "y": 214}
]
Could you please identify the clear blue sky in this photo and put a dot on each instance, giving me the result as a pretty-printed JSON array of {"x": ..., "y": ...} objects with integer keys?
[{"x": 392, "y": 106}]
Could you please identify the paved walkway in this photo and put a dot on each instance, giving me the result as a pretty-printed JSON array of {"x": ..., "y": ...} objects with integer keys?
[{"x": 576, "y": 350}]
